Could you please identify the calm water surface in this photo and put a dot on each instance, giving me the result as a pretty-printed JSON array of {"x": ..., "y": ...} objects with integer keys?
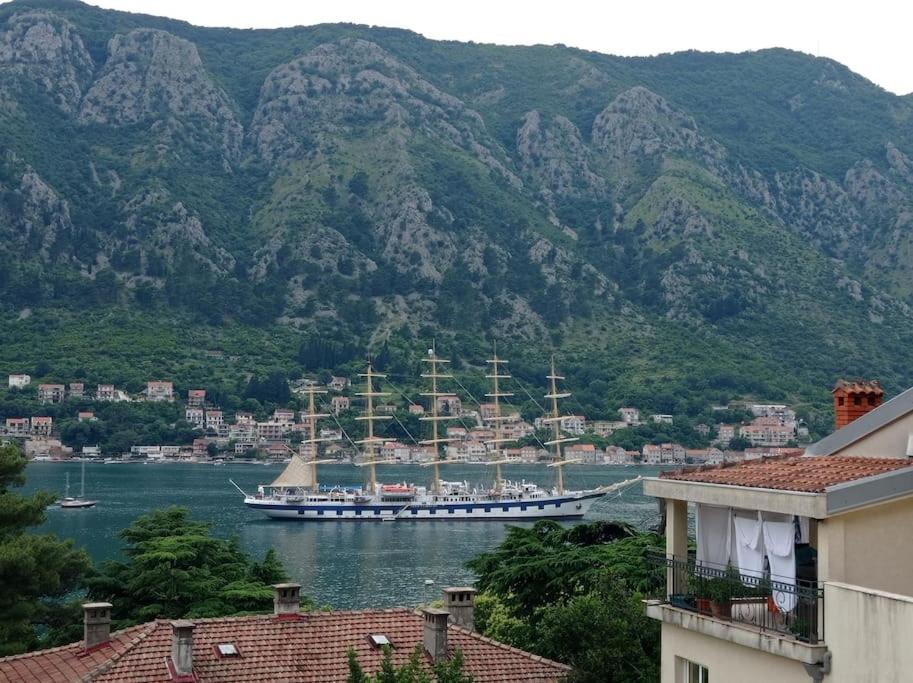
[{"x": 348, "y": 565}]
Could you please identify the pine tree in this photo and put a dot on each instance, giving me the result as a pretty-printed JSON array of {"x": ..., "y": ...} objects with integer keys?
[{"x": 36, "y": 571}]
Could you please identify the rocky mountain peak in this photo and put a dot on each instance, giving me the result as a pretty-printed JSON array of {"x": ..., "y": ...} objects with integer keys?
[
  {"x": 639, "y": 123},
  {"x": 553, "y": 154},
  {"x": 154, "y": 76},
  {"x": 352, "y": 86},
  {"x": 42, "y": 47}
]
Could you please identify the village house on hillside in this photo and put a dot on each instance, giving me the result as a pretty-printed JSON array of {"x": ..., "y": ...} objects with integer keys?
[
  {"x": 159, "y": 391},
  {"x": 19, "y": 381},
  {"x": 51, "y": 393}
]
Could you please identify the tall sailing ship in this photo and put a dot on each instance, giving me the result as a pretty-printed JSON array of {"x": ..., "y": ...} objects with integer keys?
[{"x": 296, "y": 494}]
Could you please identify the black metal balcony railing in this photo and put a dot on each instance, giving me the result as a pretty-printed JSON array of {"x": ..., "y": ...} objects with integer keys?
[{"x": 790, "y": 609}]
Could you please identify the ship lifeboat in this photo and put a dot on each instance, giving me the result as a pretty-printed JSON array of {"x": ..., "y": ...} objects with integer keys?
[{"x": 397, "y": 492}]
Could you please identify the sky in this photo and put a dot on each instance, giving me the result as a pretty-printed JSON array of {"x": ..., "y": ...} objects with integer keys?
[{"x": 872, "y": 37}]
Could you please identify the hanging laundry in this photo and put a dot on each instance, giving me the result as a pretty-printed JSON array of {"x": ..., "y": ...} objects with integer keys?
[
  {"x": 714, "y": 536},
  {"x": 780, "y": 542},
  {"x": 749, "y": 546}
]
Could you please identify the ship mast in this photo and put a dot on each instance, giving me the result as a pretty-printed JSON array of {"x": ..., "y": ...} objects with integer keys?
[
  {"x": 312, "y": 431},
  {"x": 496, "y": 396},
  {"x": 371, "y": 441},
  {"x": 434, "y": 418},
  {"x": 555, "y": 419}
]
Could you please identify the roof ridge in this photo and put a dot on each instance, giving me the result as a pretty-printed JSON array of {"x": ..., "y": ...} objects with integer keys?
[
  {"x": 509, "y": 648},
  {"x": 66, "y": 646},
  {"x": 145, "y": 631}
]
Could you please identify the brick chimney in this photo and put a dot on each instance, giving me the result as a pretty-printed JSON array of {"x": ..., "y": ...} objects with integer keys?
[
  {"x": 460, "y": 604},
  {"x": 96, "y": 623},
  {"x": 286, "y": 598},
  {"x": 435, "y": 633},
  {"x": 181, "y": 662},
  {"x": 853, "y": 399}
]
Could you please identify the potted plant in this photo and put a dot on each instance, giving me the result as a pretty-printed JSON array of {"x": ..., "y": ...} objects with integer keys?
[{"x": 721, "y": 590}]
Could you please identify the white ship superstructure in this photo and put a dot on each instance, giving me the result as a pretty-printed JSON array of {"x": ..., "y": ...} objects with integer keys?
[{"x": 295, "y": 494}]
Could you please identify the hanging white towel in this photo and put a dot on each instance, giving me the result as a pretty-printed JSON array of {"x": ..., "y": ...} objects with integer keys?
[
  {"x": 714, "y": 542},
  {"x": 749, "y": 546},
  {"x": 780, "y": 541}
]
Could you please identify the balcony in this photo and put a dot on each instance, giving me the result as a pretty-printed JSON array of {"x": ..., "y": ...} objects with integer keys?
[{"x": 793, "y": 610}]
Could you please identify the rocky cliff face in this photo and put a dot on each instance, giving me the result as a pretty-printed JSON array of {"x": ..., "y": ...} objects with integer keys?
[
  {"x": 152, "y": 77},
  {"x": 364, "y": 180},
  {"x": 42, "y": 49}
]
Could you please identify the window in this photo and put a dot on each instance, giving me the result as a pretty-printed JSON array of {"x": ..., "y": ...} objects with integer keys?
[
  {"x": 840, "y": 400},
  {"x": 692, "y": 672},
  {"x": 857, "y": 400}
]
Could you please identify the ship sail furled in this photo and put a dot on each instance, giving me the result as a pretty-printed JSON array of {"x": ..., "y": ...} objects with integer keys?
[
  {"x": 555, "y": 418},
  {"x": 371, "y": 442},
  {"x": 496, "y": 395},
  {"x": 435, "y": 416},
  {"x": 297, "y": 474}
]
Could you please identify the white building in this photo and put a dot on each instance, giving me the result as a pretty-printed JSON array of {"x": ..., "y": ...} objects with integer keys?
[
  {"x": 19, "y": 381},
  {"x": 159, "y": 391}
]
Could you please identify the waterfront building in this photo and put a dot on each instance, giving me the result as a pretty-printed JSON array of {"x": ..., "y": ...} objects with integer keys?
[
  {"x": 339, "y": 404},
  {"x": 195, "y": 416},
  {"x": 77, "y": 389},
  {"x": 17, "y": 426},
  {"x": 105, "y": 392},
  {"x": 661, "y": 419},
  {"x": 287, "y": 645},
  {"x": 42, "y": 424}
]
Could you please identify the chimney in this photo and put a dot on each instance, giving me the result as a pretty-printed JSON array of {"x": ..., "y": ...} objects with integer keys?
[
  {"x": 286, "y": 598},
  {"x": 460, "y": 604},
  {"x": 853, "y": 399},
  {"x": 181, "y": 663},
  {"x": 435, "y": 633},
  {"x": 96, "y": 623}
]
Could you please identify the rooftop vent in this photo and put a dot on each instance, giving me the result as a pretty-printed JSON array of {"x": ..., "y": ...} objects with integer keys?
[{"x": 379, "y": 640}]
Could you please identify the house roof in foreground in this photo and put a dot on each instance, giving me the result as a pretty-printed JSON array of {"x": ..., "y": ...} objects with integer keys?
[
  {"x": 785, "y": 473},
  {"x": 809, "y": 486},
  {"x": 309, "y": 647}
]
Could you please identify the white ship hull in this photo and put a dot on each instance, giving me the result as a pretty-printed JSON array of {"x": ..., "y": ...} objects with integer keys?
[{"x": 571, "y": 505}]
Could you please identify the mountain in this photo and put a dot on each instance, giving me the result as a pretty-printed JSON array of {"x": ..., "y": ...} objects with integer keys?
[{"x": 683, "y": 228}]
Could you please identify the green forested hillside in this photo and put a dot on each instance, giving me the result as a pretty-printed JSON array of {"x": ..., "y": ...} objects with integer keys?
[{"x": 199, "y": 203}]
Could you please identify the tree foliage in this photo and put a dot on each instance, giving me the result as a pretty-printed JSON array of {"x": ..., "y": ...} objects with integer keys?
[
  {"x": 36, "y": 571},
  {"x": 175, "y": 568},
  {"x": 573, "y": 595}
]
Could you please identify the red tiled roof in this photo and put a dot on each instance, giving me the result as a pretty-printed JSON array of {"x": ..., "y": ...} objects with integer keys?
[
  {"x": 791, "y": 473},
  {"x": 309, "y": 649},
  {"x": 70, "y": 662}
]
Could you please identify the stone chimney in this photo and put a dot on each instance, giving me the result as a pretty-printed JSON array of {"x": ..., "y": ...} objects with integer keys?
[
  {"x": 181, "y": 663},
  {"x": 286, "y": 598},
  {"x": 460, "y": 604},
  {"x": 96, "y": 623},
  {"x": 853, "y": 399},
  {"x": 435, "y": 633}
]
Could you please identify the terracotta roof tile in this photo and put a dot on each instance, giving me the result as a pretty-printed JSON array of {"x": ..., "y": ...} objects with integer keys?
[
  {"x": 309, "y": 649},
  {"x": 858, "y": 386},
  {"x": 812, "y": 474}
]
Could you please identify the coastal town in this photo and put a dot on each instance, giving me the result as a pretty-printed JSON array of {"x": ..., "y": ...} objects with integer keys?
[{"x": 217, "y": 435}]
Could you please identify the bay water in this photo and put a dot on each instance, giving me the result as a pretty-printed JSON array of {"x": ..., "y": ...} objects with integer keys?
[{"x": 347, "y": 565}]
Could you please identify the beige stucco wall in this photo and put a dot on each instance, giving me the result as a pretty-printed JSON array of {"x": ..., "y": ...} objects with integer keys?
[
  {"x": 726, "y": 662},
  {"x": 869, "y": 634},
  {"x": 888, "y": 442},
  {"x": 869, "y": 547}
]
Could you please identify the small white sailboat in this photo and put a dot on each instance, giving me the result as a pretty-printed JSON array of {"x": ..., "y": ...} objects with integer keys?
[{"x": 80, "y": 502}]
